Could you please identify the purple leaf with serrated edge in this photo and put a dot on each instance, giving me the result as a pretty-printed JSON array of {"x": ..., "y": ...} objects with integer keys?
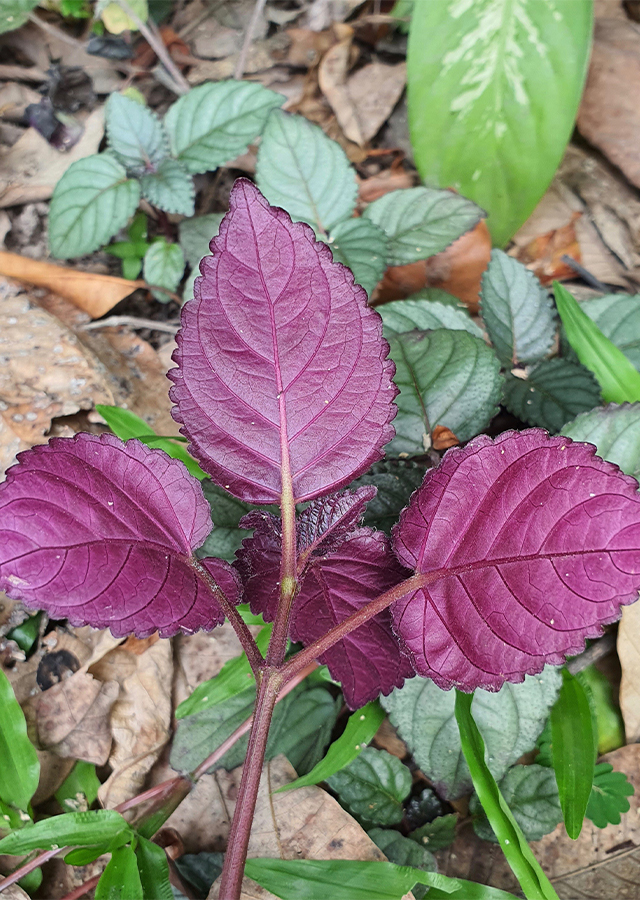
[
  {"x": 369, "y": 661},
  {"x": 324, "y": 523},
  {"x": 528, "y": 545},
  {"x": 101, "y": 532},
  {"x": 282, "y": 378}
]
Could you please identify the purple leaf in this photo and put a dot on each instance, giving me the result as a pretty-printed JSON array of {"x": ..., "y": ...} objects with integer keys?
[
  {"x": 369, "y": 661},
  {"x": 102, "y": 533},
  {"x": 528, "y": 544},
  {"x": 283, "y": 381}
]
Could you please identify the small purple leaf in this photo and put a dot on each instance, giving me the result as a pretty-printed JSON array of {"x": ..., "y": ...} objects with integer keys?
[
  {"x": 369, "y": 661},
  {"x": 101, "y": 532},
  {"x": 529, "y": 544},
  {"x": 324, "y": 523},
  {"x": 283, "y": 381}
]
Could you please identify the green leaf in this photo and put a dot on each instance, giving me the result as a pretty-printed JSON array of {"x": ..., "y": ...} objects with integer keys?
[
  {"x": 137, "y": 231},
  {"x": 608, "y": 796},
  {"x": 342, "y": 879},
  {"x": 421, "y": 222},
  {"x": 200, "y": 734},
  {"x": 15, "y": 13},
  {"x": 234, "y": 677},
  {"x": 574, "y": 748},
  {"x": 196, "y": 234},
  {"x": 79, "y": 790},
  {"x": 534, "y": 883},
  {"x": 26, "y": 633},
  {"x": 135, "y": 135},
  {"x": 516, "y": 310},
  {"x": 170, "y": 188},
  {"x": 131, "y": 268},
  {"x": 615, "y": 430},
  {"x": 438, "y": 834},
  {"x": 373, "y": 786},
  {"x": 19, "y": 766},
  {"x": 618, "y": 318},
  {"x": 425, "y": 315},
  {"x": 470, "y": 890},
  {"x": 163, "y": 266},
  {"x": 362, "y": 246},
  {"x": 359, "y": 731},
  {"x": 551, "y": 395},
  {"x": 153, "y": 870},
  {"x": 92, "y": 201},
  {"x": 396, "y": 480},
  {"x": 404, "y": 852},
  {"x": 121, "y": 879},
  {"x": 126, "y": 425},
  {"x": 510, "y": 719},
  {"x": 608, "y": 718},
  {"x": 200, "y": 869},
  {"x": 226, "y": 511},
  {"x": 82, "y": 828},
  {"x": 619, "y": 380},
  {"x": 493, "y": 91},
  {"x": 214, "y": 123},
  {"x": 305, "y": 172},
  {"x": 531, "y": 794},
  {"x": 445, "y": 378}
]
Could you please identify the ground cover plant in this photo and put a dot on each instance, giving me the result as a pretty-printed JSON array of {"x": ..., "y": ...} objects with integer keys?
[{"x": 285, "y": 394}]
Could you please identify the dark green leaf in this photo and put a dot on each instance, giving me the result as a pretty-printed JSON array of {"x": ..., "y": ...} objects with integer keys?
[
  {"x": 396, "y": 480},
  {"x": 532, "y": 796},
  {"x": 615, "y": 430},
  {"x": 19, "y": 766},
  {"x": 199, "y": 735},
  {"x": 226, "y": 511},
  {"x": 445, "y": 378},
  {"x": 553, "y": 393},
  {"x": 618, "y": 318},
  {"x": 574, "y": 749},
  {"x": 516, "y": 310},
  {"x": 373, "y": 786},
  {"x": 619, "y": 380},
  {"x": 510, "y": 719},
  {"x": 425, "y": 315},
  {"x": 421, "y": 222},
  {"x": 438, "y": 834},
  {"x": 163, "y": 266},
  {"x": 200, "y": 869},
  {"x": 362, "y": 246},
  {"x": 605, "y": 710},
  {"x": 131, "y": 268},
  {"x": 135, "y": 134},
  {"x": 170, "y": 188},
  {"x": 79, "y": 790},
  {"x": 608, "y": 796},
  {"x": 305, "y": 172},
  {"x": 403, "y": 852},
  {"x": 26, "y": 633},
  {"x": 493, "y": 90},
  {"x": 121, "y": 879},
  {"x": 126, "y": 424},
  {"x": 153, "y": 870},
  {"x": 359, "y": 731},
  {"x": 11, "y": 819},
  {"x": 81, "y": 828}
]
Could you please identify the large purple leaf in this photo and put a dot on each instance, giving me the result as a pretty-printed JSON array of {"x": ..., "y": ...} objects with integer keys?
[
  {"x": 528, "y": 544},
  {"x": 283, "y": 380},
  {"x": 102, "y": 532}
]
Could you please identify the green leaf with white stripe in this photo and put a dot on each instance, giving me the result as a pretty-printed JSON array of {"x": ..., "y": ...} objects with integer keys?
[
  {"x": 553, "y": 393},
  {"x": 216, "y": 122},
  {"x": 493, "y": 91},
  {"x": 93, "y": 200},
  {"x": 362, "y": 246},
  {"x": 516, "y": 310},
  {"x": 170, "y": 188},
  {"x": 163, "y": 266},
  {"x": 135, "y": 134},
  {"x": 421, "y": 222},
  {"x": 425, "y": 315},
  {"x": 618, "y": 318},
  {"x": 445, "y": 377},
  {"x": 305, "y": 172},
  {"x": 615, "y": 430}
]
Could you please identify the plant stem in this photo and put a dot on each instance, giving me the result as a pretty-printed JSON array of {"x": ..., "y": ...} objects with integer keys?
[
  {"x": 179, "y": 84},
  {"x": 233, "y": 871},
  {"x": 256, "y": 659},
  {"x": 289, "y": 558}
]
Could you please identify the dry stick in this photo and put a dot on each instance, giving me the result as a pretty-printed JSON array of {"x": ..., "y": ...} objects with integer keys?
[
  {"x": 238, "y": 72},
  {"x": 55, "y": 32},
  {"x": 179, "y": 84},
  {"x": 82, "y": 889},
  {"x": 133, "y": 322}
]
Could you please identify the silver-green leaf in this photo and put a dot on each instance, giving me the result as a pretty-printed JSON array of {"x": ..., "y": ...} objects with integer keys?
[
  {"x": 305, "y": 172},
  {"x": 15, "y": 13},
  {"x": 615, "y": 430},
  {"x": 373, "y": 786},
  {"x": 421, "y": 222},
  {"x": 531, "y": 793},
  {"x": 93, "y": 200},
  {"x": 170, "y": 188},
  {"x": 362, "y": 246},
  {"x": 135, "y": 134},
  {"x": 214, "y": 123},
  {"x": 552, "y": 394},
  {"x": 163, "y": 266},
  {"x": 618, "y": 318},
  {"x": 425, "y": 315},
  {"x": 195, "y": 236}
]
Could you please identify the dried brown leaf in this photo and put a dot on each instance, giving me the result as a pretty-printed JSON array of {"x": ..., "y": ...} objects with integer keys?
[
  {"x": 629, "y": 655},
  {"x": 332, "y": 78},
  {"x": 374, "y": 91}
]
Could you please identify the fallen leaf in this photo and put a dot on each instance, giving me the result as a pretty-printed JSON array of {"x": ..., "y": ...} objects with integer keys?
[
  {"x": 386, "y": 738},
  {"x": 14, "y": 99},
  {"x": 200, "y": 656},
  {"x": 141, "y": 716},
  {"x": 629, "y": 655},
  {"x": 262, "y": 55},
  {"x": 53, "y": 771},
  {"x": 332, "y": 78},
  {"x": 388, "y": 180},
  {"x": 374, "y": 91},
  {"x": 95, "y": 294},
  {"x": 609, "y": 116},
  {"x": 307, "y": 47},
  {"x": 15, "y": 892},
  {"x": 30, "y": 170},
  {"x": 543, "y": 255},
  {"x": 442, "y": 438}
]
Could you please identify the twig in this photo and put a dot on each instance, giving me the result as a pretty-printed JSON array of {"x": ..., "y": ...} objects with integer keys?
[
  {"x": 179, "y": 83},
  {"x": 584, "y": 274},
  {"x": 248, "y": 37},
  {"x": 55, "y": 32},
  {"x": 82, "y": 889},
  {"x": 133, "y": 322},
  {"x": 592, "y": 654}
]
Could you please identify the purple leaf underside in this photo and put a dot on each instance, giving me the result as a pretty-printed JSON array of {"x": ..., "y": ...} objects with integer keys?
[
  {"x": 529, "y": 544},
  {"x": 282, "y": 377},
  {"x": 101, "y": 532}
]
